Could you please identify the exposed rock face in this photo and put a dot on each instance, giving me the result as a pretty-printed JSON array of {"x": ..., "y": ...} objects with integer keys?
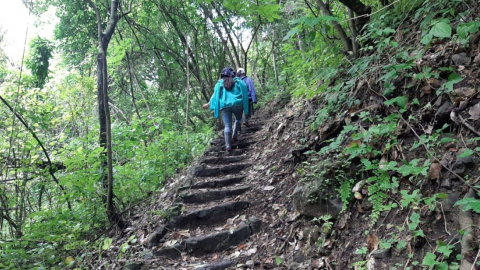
[{"x": 317, "y": 207}]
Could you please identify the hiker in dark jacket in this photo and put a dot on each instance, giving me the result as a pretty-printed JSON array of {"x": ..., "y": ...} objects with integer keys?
[
  {"x": 252, "y": 94},
  {"x": 230, "y": 96}
]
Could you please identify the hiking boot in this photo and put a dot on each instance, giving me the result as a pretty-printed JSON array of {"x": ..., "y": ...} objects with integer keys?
[
  {"x": 246, "y": 124},
  {"x": 228, "y": 138},
  {"x": 237, "y": 129}
]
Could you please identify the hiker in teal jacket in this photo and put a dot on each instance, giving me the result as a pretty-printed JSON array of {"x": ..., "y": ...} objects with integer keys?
[{"x": 230, "y": 96}]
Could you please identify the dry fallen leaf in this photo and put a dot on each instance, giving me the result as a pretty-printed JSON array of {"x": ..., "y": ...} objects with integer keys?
[
  {"x": 184, "y": 233},
  {"x": 435, "y": 171},
  {"x": 235, "y": 254},
  {"x": 268, "y": 188},
  {"x": 242, "y": 246},
  {"x": 474, "y": 112},
  {"x": 372, "y": 242},
  {"x": 427, "y": 89},
  {"x": 251, "y": 251}
]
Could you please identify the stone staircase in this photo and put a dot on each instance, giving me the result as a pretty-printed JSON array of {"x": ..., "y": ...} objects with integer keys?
[{"x": 208, "y": 215}]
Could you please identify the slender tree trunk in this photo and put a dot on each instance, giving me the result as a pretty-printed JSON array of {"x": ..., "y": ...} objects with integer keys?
[
  {"x": 354, "y": 34},
  {"x": 274, "y": 59},
  {"x": 360, "y": 9},
  {"x": 347, "y": 43},
  {"x": 188, "y": 94},
  {"x": 103, "y": 107}
]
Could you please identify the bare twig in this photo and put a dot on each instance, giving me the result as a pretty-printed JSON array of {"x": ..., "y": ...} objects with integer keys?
[
  {"x": 476, "y": 257},
  {"x": 444, "y": 219},
  {"x": 464, "y": 122}
]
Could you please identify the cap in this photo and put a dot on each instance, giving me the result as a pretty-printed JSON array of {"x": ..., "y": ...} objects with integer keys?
[{"x": 241, "y": 70}]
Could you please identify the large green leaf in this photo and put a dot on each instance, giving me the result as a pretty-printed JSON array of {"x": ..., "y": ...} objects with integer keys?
[{"x": 441, "y": 29}]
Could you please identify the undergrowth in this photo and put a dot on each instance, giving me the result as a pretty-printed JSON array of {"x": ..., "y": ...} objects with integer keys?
[{"x": 379, "y": 97}]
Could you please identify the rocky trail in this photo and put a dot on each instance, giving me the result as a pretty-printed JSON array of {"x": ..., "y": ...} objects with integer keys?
[{"x": 208, "y": 217}]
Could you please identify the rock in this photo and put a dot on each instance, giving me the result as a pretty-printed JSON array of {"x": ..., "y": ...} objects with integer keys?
[
  {"x": 133, "y": 266},
  {"x": 155, "y": 237},
  {"x": 294, "y": 266},
  {"x": 215, "y": 183},
  {"x": 463, "y": 163},
  {"x": 445, "y": 183},
  {"x": 209, "y": 215},
  {"x": 201, "y": 245},
  {"x": 147, "y": 255},
  {"x": 317, "y": 208},
  {"x": 214, "y": 195},
  {"x": 311, "y": 234},
  {"x": 445, "y": 109},
  {"x": 255, "y": 224},
  {"x": 447, "y": 203},
  {"x": 203, "y": 171},
  {"x": 367, "y": 205},
  {"x": 461, "y": 59},
  {"x": 467, "y": 161},
  {"x": 382, "y": 253}
]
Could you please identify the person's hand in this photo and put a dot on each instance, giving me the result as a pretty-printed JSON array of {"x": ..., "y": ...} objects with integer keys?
[{"x": 206, "y": 105}]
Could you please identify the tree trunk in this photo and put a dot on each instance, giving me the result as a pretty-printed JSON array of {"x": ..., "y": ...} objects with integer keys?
[
  {"x": 354, "y": 34},
  {"x": 347, "y": 43},
  {"x": 103, "y": 107},
  {"x": 360, "y": 9}
]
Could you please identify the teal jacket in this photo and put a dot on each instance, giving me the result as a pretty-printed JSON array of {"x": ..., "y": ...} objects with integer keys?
[{"x": 223, "y": 98}]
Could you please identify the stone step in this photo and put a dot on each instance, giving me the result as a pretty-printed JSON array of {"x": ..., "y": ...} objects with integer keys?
[
  {"x": 201, "y": 245},
  {"x": 252, "y": 128},
  {"x": 223, "y": 160},
  {"x": 203, "y": 171},
  {"x": 202, "y": 217},
  {"x": 213, "y": 195},
  {"x": 208, "y": 216},
  {"x": 240, "y": 145},
  {"x": 220, "y": 152},
  {"x": 215, "y": 266},
  {"x": 216, "y": 183}
]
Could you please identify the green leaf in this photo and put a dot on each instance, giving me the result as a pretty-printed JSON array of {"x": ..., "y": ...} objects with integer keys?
[
  {"x": 469, "y": 204},
  {"x": 441, "y": 195},
  {"x": 426, "y": 39},
  {"x": 311, "y": 22},
  {"x": 107, "y": 243},
  {"x": 442, "y": 266},
  {"x": 269, "y": 12},
  {"x": 446, "y": 139},
  {"x": 401, "y": 102},
  {"x": 291, "y": 33},
  {"x": 429, "y": 259},
  {"x": 278, "y": 260},
  {"x": 466, "y": 153},
  {"x": 415, "y": 220},
  {"x": 452, "y": 79},
  {"x": 441, "y": 30},
  {"x": 444, "y": 249}
]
